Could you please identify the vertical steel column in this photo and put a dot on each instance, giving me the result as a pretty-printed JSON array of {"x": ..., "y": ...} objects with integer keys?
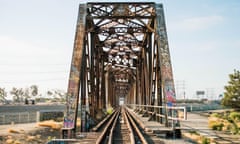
[
  {"x": 83, "y": 90},
  {"x": 92, "y": 76},
  {"x": 132, "y": 96},
  {"x": 146, "y": 75},
  {"x": 106, "y": 75},
  {"x": 110, "y": 92},
  {"x": 103, "y": 88},
  {"x": 138, "y": 98},
  {"x": 113, "y": 93},
  {"x": 75, "y": 71},
  {"x": 159, "y": 101},
  {"x": 134, "y": 93},
  {"x": 165, "y": 61}
]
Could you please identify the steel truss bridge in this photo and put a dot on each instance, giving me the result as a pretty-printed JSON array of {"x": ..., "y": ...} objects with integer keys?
[{"x": 121, "y": 55}]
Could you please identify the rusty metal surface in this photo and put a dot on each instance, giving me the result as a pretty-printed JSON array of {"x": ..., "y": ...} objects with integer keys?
[
  {"x": 120, "y": 51},
  {"x": 165, "y": 60},
  {"x": 75, "y": 71}
]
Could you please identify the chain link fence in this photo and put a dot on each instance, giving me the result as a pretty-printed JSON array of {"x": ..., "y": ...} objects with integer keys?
[
  {"x": 21, "y": 117},
  {"x": 29, "y": 113}
]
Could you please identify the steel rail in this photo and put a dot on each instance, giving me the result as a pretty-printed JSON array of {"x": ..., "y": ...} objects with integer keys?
[
  {"x": 131, "y": 134},
  {"x": 110, "y": 138},
  {"x": 111, "y": 126},
  {"x": 104, "y": 132},
  {"x": 140, "y": 135},
  {"x": 100, "y": 124},
  {"x": 129, "y": 127}
]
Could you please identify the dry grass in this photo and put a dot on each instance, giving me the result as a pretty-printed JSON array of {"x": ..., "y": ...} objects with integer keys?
[
  {"x": 227, "y": 122},
  {"x": 37, "y": 136},
  {"x": 52, "y": 124},
  {"x": 194, "y": 137},
  {"x": 13, "y": 131},
  {"x": 9, "y": 141}
]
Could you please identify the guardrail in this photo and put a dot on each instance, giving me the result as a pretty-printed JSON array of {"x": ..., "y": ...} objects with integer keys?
[{"x": 157, "y": 110}]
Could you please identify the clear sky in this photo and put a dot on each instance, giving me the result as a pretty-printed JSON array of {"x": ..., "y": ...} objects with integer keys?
[{"x": 36, "y": 43}]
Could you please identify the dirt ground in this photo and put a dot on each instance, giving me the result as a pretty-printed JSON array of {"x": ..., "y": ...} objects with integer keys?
[{"x": 30, "y": 133}]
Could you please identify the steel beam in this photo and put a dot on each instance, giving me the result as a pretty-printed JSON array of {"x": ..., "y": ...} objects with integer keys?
[
  {"x": 169, "y": 97},
  {"x": 120, "y": 50},
  {"x": 76, "y": 68}
]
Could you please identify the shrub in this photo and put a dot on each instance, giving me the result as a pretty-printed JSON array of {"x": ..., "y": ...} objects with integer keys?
[
  {"x": 205, "y": 140},
  {"x": 216, "y": 115},
  {"x": 216, "y": 123},
  {"x": 228, "y": 121},
  {"x": 110, "y": 110},
  {"x": 217, "y": 126},
  {"x": 234, "y": 129},
  {"x": 194, "y": 132},
  {"x": 235, "y": 116}
]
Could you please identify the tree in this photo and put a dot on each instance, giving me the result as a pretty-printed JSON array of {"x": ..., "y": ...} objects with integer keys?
[
  {"x": 60, "y": 95},
  {"x": 34, "y": 90},
  {"x": 57, "y": 95},
  {"x": 232, "y": 91},
  {"x": 26, "y": 93},
  {"x": 18, "y": 94},
  {"x": 3, "y": 95},
  {"x": 49, "y": 93}
]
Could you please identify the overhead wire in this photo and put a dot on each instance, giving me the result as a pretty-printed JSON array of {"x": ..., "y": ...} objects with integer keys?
[
  {"x": 33, "y": 64},
  {"x": 31, "y": 72},
  {"x": 33, "y": 81}
]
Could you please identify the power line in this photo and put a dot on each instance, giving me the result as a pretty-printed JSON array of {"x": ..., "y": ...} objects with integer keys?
[
  {"x": 29, "y": 72},
  {"x": 180, "y": 89},
  {"x": 33, "y": 64},
  {"x": 32, "y": 81}
]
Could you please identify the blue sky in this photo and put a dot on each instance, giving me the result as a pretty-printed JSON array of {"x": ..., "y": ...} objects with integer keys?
[{"x": 36, "y": 42}]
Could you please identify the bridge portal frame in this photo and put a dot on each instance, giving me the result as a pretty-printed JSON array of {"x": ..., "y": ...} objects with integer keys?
[{"x": 93, "y": 82}]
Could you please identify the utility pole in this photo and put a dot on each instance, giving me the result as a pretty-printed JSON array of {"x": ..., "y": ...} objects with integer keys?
[
  {"x": 180, "y": 88},
  {"x": 210, "y": 93}
]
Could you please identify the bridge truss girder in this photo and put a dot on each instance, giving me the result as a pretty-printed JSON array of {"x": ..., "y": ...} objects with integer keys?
[{"x": 120, "y": 50}]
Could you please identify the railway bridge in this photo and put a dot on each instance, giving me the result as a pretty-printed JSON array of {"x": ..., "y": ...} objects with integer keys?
[{"x": 120, "y": 57}]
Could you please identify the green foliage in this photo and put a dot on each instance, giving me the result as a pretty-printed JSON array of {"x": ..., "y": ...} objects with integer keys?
[
  {"x": 57, "y": 95},
  {"x": 227, "y": 121},
  {"x": 217, "y": 126},
  {"x": 234, "y": 128},
  {"x": 194, "y": 132},
  {"x": 232, "y": 91},
  {"x": 3, "y": 94},
  {"x": 18, "y": 94},
  {"x": 34, "y": 90},
  {"x": 23, "y": 94},
  {"x": 225, "y": 115},
  {"x": 216, "y": 115},
  {"x": 235, "y": 116},
  {"x": 205, "y": 140},
  {"x": 110, "y": 110}
]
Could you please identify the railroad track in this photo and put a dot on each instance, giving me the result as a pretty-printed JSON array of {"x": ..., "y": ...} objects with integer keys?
[
  {"x": 121, "y": 129},
  {"x": 118, "y": 128}
]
